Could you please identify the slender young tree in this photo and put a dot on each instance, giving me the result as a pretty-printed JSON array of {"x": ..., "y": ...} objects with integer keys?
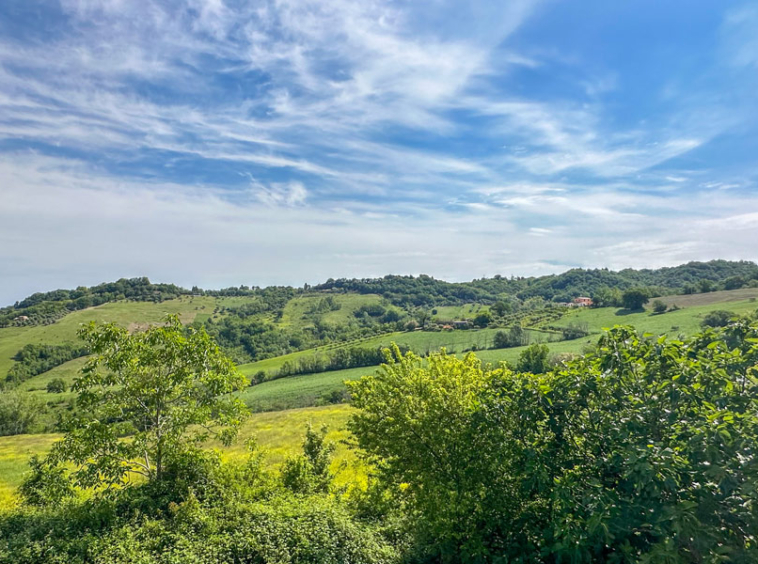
[{"x": 145, "y": 398}]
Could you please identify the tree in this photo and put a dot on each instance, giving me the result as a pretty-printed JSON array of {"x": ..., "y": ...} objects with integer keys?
[
  {"x": 659, "y": 306},
  {"x": 642, "y": 451},
  {"x": 734, "y": 283},
  {"x": 706, "y": 286},
  {"x": 415, "y": 422},
  {"x": 482, "y": 319},
  {"x": 501, "y": 308},
  {"x": 534, "y": 359},
  {"x": 635, "y": 298},
  {"x": 146, "y": 399},
  {"x": 56, "y": 386},
  {"x": 18, "y": 413},
  {"x": 717, "y": 318},
  {"x": 310, "y": 472},
  {"x": 515, "y": 337},
  {"x": 422, "y": 316},
  {"x": 500, "y": 341},
  {"x": 607, "y": 297}
]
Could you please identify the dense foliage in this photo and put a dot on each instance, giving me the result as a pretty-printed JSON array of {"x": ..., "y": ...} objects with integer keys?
[
  {"x": 339, "y": 359},
  {"x": 203, "y": 512},
  {"x": 641, "y": 452},
  {"x": 18, "y": 413},
  {"x": 36, "y": 359},
  {"x": 247, "y": 338},
  {"x": 144, "y": 399},
  {"x": 426, "y": 291}
]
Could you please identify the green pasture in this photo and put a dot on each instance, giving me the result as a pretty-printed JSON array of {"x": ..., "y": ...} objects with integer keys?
[
  {"x": 299, "y": 391},
  {"x": 449, "y": 313},
  {"x": 279, "y": 434},
  {"x": 296, "y": 311},
  {"x": 682, "y": 321},
  {"x": 421, "y": 342},
  {"x": 125, "y": 313}
]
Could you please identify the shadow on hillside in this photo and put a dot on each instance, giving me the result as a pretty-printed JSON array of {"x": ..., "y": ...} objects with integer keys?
[{"x": 624, "y": 311}]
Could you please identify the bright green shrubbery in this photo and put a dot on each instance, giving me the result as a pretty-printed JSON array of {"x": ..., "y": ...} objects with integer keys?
[{"x": 641, "y": 451}]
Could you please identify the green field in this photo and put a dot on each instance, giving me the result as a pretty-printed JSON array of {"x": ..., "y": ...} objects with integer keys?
[
  {"x": 685, "y": 320},
  {"x": 280, "y": 434},
  {"x": 421, "y": 342},
  {"x": 299, "y": 391},
  {"x": 125, "y": 313},
  {"x": 296, "y": 311},
  {"x": 450, "y": 313}
]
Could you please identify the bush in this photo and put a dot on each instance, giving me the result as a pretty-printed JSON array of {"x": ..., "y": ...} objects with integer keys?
[
  {"x": 515, "y": 337},
  {"x": 18, "y": 413},
  {"x": 482, "y": 319},
  {"x": 659, "y": 306},
  {"x": 718, "y": 318},
  {"x": 56, "y": 386},
  {"x": 309, "y": 472},
  {"x": 641, "y": 452},
  {"x": 534, "y": 359}
]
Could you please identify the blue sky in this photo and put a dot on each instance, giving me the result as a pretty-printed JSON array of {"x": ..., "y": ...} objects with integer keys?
[{"x": 225, "y": 142}]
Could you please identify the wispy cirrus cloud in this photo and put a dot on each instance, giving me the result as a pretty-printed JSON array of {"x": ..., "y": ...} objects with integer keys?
[{"x": 455, "y": 124}]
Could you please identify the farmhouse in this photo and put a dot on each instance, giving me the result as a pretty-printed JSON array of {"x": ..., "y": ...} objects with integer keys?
[
  {"x": 582, "y": 301},
  {"x": 21, "y": 318}
]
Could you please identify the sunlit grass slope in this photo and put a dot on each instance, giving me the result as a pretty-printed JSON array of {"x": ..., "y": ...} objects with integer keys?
[
  {"x": 296, "y": 312},
  {"x": 279, "y": 433},
  {"x": 124, "y": 313}
]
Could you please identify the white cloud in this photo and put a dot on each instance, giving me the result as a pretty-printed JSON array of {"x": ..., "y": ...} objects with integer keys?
[
  {"x": 65, "y": 224},
  {"x": 346, "y": 118}
]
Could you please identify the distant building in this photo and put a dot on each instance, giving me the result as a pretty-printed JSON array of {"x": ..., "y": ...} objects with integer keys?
[
  {"x": 462, "y": 324},
  {"x": 582, "y": 301}
]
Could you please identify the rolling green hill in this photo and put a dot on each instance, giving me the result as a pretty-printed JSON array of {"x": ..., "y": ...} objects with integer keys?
[{"x": 126, "y": 313}]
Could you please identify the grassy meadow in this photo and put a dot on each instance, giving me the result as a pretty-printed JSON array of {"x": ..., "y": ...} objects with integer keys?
[
  {"x": 685, "y": 320},
  {"x": 279, "y": 434},
  {"x": 296, "y": 312},
  {"x": 125, "y": 313}
]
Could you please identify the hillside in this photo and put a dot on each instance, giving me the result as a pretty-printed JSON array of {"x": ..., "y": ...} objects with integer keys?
[{"x": 319, "y": 336}]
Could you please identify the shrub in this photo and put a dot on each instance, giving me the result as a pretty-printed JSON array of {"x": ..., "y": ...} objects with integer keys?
[
  {"x": 56, "y": 386},
  {"x": 482, "y": 319},
  {"x": 641, "y": 452},
  {"x": 534, "y": 359},
  {"x": 18, "y": 413},
  {"x": 659, "y": 306},
  {"x": 718, "y": 318}
]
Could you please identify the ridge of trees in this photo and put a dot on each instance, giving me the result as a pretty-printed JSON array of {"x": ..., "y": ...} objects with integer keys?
[{"x": 422, "y": 290}]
